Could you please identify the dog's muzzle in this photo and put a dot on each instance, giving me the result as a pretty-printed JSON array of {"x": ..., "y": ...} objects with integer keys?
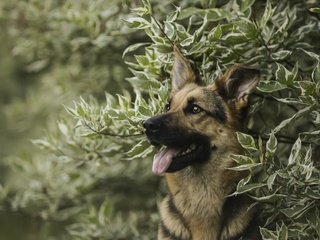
[
  {"x": 156, "y": 130},
  {"x": 181, "y": 147}
]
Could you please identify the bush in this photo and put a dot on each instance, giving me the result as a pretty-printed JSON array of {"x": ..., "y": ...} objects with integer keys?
[{"x": 94, "y": 170}]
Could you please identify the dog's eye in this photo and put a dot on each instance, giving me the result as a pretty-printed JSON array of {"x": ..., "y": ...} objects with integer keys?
[
  {"x": 196, "y": 109},
  {"x": 167, "y": 107}
]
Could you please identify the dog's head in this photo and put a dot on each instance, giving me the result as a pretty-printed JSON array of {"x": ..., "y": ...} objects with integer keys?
[{"x": 198, "y": 120}]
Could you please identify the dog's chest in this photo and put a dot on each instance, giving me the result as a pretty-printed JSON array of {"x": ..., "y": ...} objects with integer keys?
[{"x": 200, "y": 203}]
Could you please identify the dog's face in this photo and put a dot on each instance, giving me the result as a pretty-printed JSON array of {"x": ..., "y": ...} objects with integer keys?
[{"x": 198, "y": 120}]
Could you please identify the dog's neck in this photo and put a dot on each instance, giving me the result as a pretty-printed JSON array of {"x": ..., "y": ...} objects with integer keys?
[
  {"x": 206, "y": 179},
  {"x": 209, "y": 209}
]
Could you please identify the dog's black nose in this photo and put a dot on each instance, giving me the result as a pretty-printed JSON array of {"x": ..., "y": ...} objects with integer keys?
[{"x": 152, "y": 125}]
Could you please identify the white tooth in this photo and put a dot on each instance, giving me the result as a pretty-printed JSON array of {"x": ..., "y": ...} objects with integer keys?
[{"x": 188, "y": 150}]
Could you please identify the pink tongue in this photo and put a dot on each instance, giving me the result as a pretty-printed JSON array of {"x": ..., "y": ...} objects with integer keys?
[{"x": 163, "y": 159}]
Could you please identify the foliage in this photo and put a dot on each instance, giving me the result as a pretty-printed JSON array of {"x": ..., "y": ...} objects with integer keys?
[
  {"x": 56, "y": 51},
  {"x": 94, "y": 172}
]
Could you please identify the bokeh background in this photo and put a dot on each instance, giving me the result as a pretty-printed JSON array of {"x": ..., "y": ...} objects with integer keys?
[
  {"x": 51, "y": 53},
  {"x": 70, "y": 85}
]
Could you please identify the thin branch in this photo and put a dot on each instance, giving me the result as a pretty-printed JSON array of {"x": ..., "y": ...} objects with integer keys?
[
  {"x": 112, "y": 134},
  {"x": 271, "y": 98},
  {"x": 301, "y": 72},
  {"x": 313, "y": 14},
  {"x": 280, "y": 138},
  {"x": 162, "y": 30}
]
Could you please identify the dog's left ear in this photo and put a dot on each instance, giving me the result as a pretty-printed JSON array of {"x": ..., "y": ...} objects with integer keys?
[
  {"x": 182, "y": 72},
  {"x": 237, "y": 83}
]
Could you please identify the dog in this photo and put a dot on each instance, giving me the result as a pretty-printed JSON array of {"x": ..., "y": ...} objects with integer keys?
[{"x": 197, "y": 135}]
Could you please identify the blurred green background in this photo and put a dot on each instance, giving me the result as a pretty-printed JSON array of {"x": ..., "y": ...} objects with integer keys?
[
  {"x": 58, "y": 54},
  {"x": 51, "y": 53}
]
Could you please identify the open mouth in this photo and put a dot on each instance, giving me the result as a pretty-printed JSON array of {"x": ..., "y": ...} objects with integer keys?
[{"x": 172, "y": 159}]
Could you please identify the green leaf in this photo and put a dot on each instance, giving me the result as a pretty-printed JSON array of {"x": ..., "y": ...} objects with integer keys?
[
  {"x": 215, "y": 33},
  {"x": 137, "y": 23},
  {"x": 246, "y": 4},
  {"x": 311, "y": 54},
  {"x": 246, "y": 141},
  {"x": 296, "y": 211},
  {"x": 216, "y": 14},
  {"x": 242, "y": 159},
  {"x": 188, "y": 41},
  {"x": 307, "y": 100},
  {"x": 315, "y": 10},
  {"x": 307, "y": 87},
  {"x": 284, "y": 76},
  {"x": 295, "y": 152},
  {"x": 63, "y": 129},
  {"x": 312, "y": 193},
  {"x": 316, "y": 73},
  {"x": 235, "y": 38},
  {"x": 266, "y": 15},
  {"x": 188, "y": 12},
  {"x": 199, "y": 32},
  {"x": 271, "y": 86},
  {"x": 213, "y": 14},
  {"x": 272, "y": 144},
  {"x": 268, "y": 234},
  {"x": 106, "y": 212},
  {"x": 133, "y": 47},
  {"x": 245, "y": 167},
  {"x": 181, "y": 31},
  {"x": 289, "y": 100},
  {"x": 3, "y": 192},
  {"x": 248, "y": 28},
  {"x": 172, "y": 17},
  {"x": 271, "y": 180},
  {"x": 37, "y": 65},
  {"x": 198, "y": 48},
  {"x": 206, "y": 3},
  {"x": 71, "y": 111},
  {"x": 283, "y": 232},
  {"x": 169, "y": 29},
  {"x": 147, "y": 5},
  {"x": 248, "y": 187},
  {"x": 298, "y": 114},
  {"x": 142, "y": 60},
  {"x": 141, "y": 11},
  {"x": 141, "y": 149},
  {"x": 142, "y": 83},
  {"x": 280, "y": 55},
  {"x": 43, "y": 144},
  {"x": 269, "y": 198}
]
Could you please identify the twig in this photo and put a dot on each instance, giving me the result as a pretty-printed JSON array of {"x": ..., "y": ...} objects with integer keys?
[
  {"x": 301, "y": 72},
  {"x": 112, "y": 134},
  {"x": 271, "y": 98},
  {"x": 280, "y": 138},
  {"x": 162, "y": 30}
]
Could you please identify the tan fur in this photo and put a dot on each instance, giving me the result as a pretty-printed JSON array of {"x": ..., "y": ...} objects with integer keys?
[
  {"x": 197, "y": 206},
  {"x": 199, "y": 193}
]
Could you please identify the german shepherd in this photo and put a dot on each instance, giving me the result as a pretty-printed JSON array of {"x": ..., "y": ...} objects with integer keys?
[{"x": 197, "y": 132}]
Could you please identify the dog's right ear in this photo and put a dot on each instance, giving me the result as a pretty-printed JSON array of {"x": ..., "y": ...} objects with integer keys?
[
  {"x": 237, "y": 84},
  {"x": 182, "y": 72}
]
